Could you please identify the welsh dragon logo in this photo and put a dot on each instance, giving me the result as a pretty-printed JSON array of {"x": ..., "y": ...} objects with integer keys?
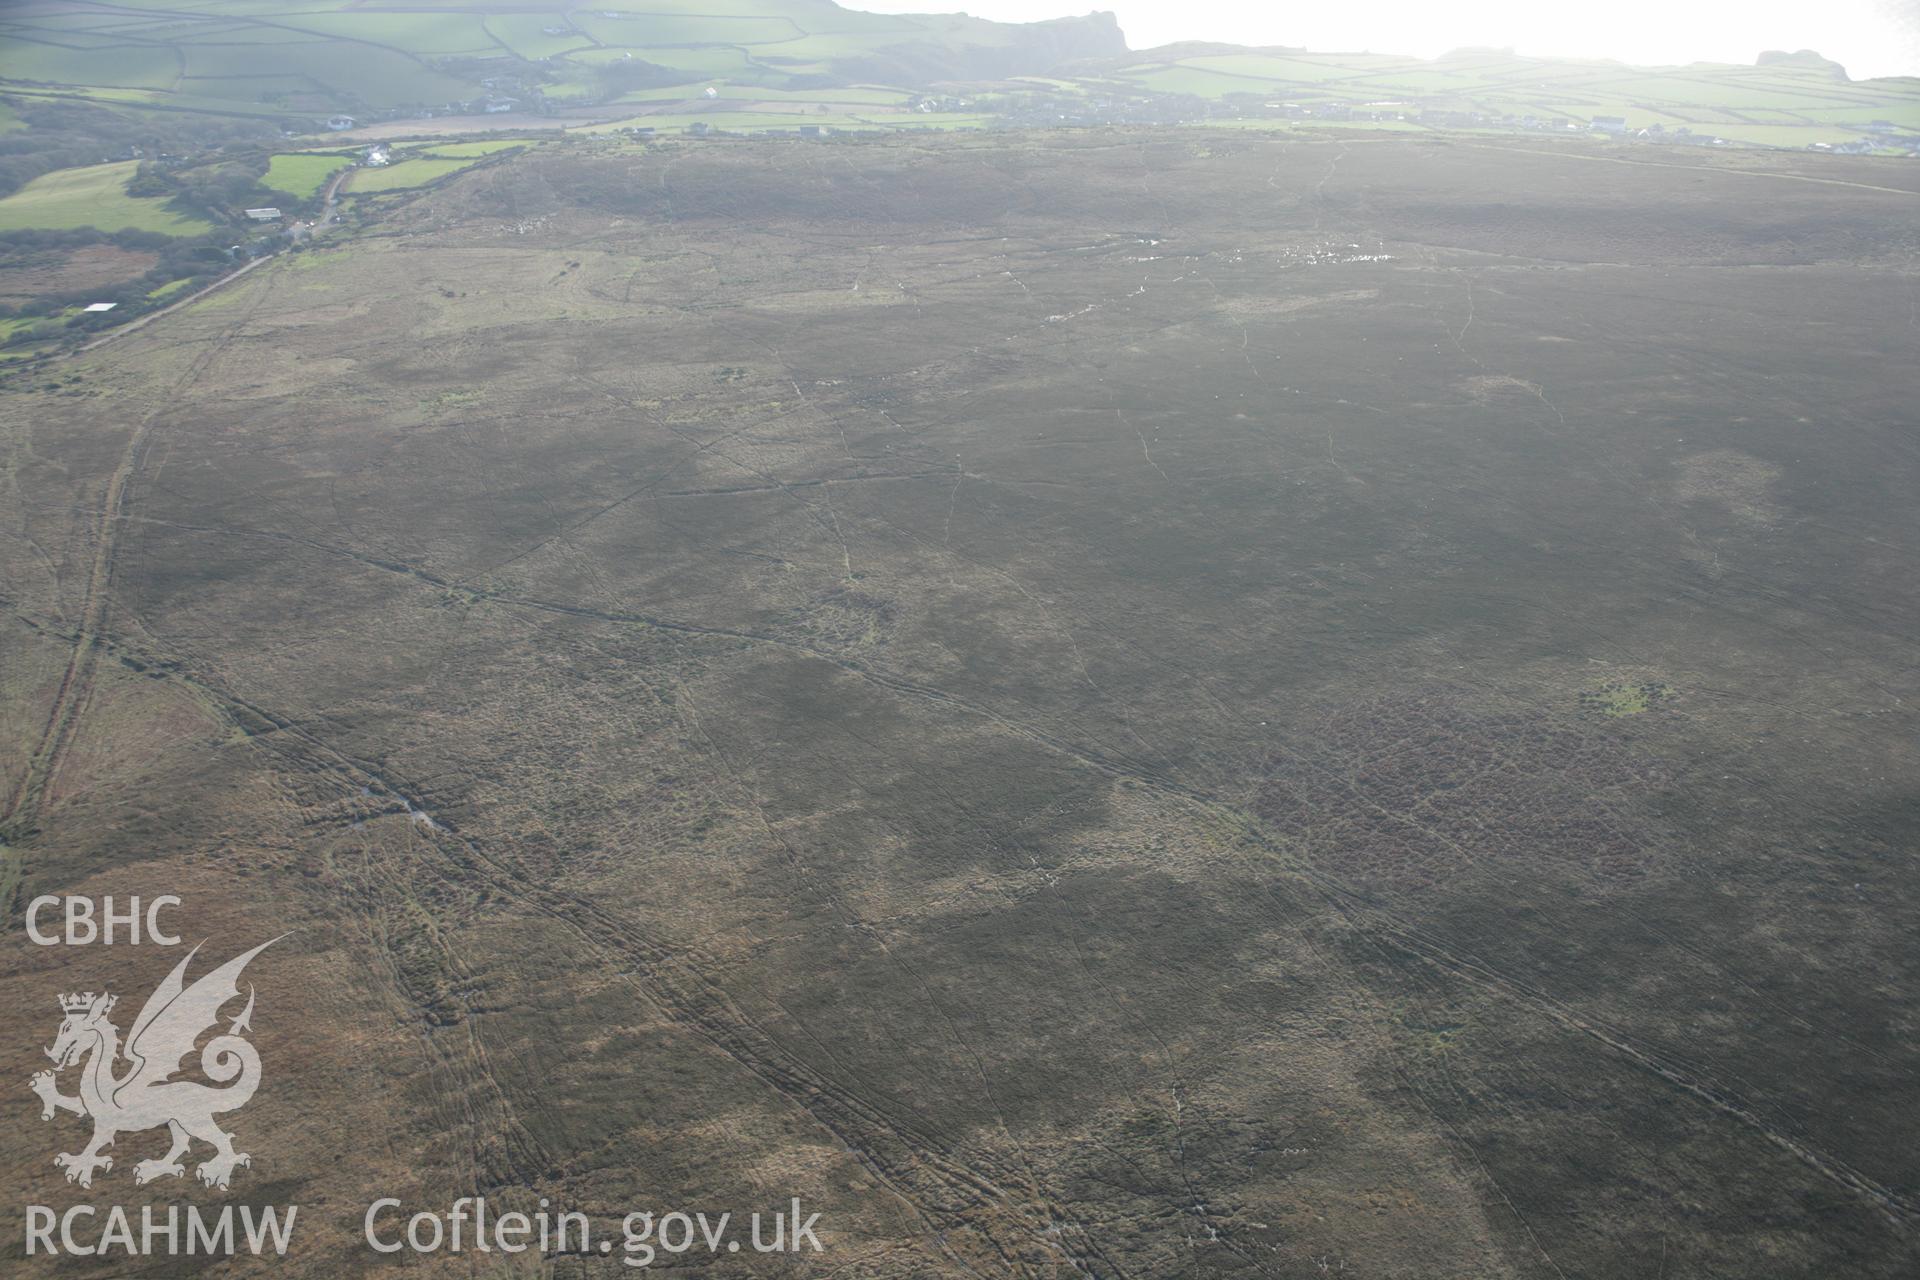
[{"x": 146, "y": 1096}]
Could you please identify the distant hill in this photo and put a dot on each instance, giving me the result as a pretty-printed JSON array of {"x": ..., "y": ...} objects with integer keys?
[
  {"x": 749, "y": 65},
  {"x": 1787, "y": 99},
  {"x": 328, "y": 57},
  {"x": 1805, "y": 58}
]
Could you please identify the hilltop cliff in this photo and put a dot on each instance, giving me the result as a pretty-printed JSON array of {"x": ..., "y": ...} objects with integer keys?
[{"x": 1804, "y": 58}]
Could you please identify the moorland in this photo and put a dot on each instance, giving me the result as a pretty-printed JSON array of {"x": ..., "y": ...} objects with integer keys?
[{"x": 1152, "y": 702}]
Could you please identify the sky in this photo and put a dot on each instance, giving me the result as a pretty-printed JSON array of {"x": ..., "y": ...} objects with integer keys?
[{"x": 1868, "y": 37}]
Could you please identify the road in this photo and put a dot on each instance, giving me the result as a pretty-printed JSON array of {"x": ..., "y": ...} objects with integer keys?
[{"x": 326, "y": 218}]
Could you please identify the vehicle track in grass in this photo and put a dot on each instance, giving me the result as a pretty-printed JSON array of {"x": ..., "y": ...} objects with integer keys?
[{"x": 20, "y": 816}]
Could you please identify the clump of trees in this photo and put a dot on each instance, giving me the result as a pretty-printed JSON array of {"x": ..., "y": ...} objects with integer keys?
[
  {"x": 60, "y": 135},
  {"x": 195, "y": 259},
  {"x": 215, "y": 189}
]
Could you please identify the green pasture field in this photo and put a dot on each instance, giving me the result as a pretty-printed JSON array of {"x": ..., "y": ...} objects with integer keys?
[
  {"x": 404, "y": 176},
  {"x": 304, "y": 173},
  {"x": 523, "y": 34},
  {"x": 418, "y": 33},
  {"x": 377, "y": 76},
  {"x": 116, "y": 67},
  {"x": 92, "y": 196},
  {"x": 470, "y": 150}
]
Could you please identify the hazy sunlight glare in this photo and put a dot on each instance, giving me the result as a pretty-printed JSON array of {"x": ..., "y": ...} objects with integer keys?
[{"x": 1868, "y": 37}]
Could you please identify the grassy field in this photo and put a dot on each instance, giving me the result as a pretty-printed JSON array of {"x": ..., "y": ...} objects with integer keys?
[
  {"x": 232, "y": 63},
  {"x": 430, "y": 34},
  {"x": 93, "y": 196},
  {"x": 469, "y": 150},
  {"x": 303, "y": 174},
  {"x": 404, "y": 175},
  {"x": 527, "y": 34}
]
